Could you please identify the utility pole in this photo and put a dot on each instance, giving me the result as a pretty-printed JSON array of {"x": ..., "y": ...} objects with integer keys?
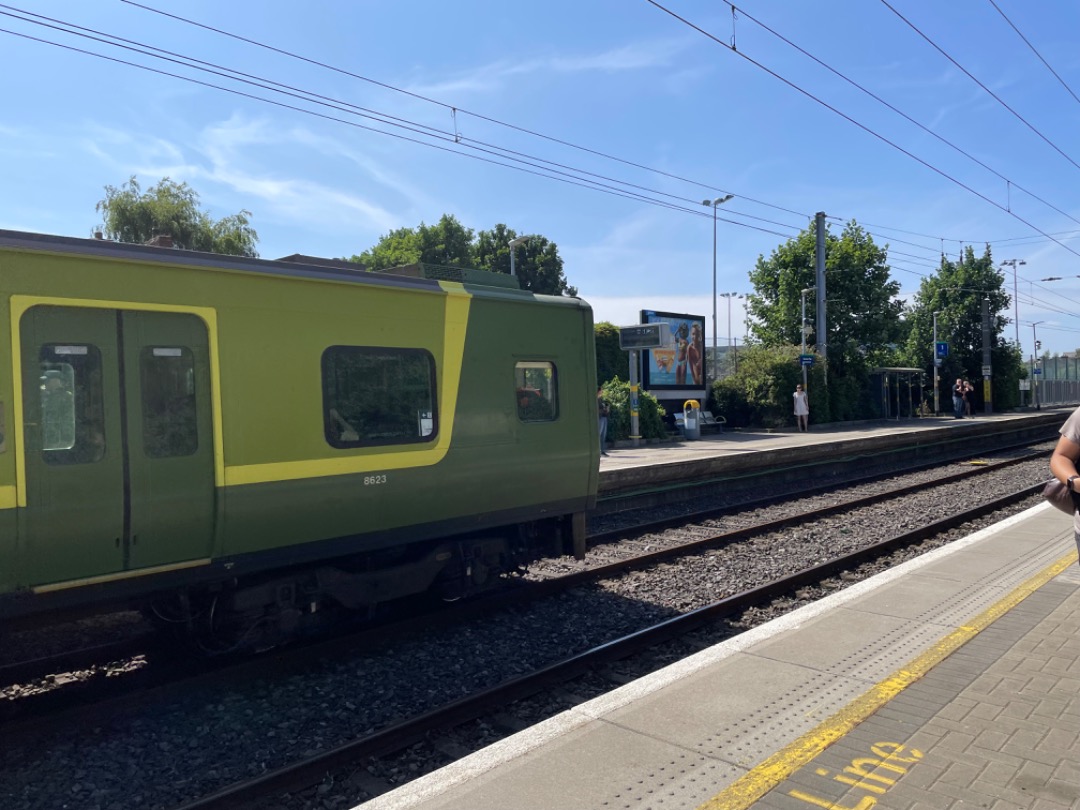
[
  {"x": 937, "y": 362},
  {"x": 987, "y": 368},
  {"x": 804, "y": 329},
  {"x": 819, "y": 260}
]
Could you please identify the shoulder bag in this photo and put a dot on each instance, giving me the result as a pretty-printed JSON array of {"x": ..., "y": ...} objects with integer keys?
[{"x": 1060, "y": 496}]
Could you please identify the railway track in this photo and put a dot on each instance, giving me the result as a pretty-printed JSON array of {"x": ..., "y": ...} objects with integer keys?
[
  {"x": 305, "y": 775},
  {"x": 396, "y": 737}
]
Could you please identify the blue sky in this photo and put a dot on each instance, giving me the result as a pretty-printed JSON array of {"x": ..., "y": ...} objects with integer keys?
[{"x": 618, "y": 77}]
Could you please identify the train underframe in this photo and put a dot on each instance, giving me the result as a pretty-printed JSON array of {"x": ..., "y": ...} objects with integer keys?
[{"x": 263, "y": 611}]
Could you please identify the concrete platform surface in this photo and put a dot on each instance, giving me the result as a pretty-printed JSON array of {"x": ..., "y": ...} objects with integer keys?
[{"x": 951, "y": 681}]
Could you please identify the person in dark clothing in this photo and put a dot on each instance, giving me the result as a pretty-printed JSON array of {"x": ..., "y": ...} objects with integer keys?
[
  {"x": 958, "y": 399},
  {"x": 603, "y": 410}
]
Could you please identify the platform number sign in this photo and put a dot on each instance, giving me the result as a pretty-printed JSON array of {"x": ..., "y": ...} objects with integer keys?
[{"x": 941, "y": 349}]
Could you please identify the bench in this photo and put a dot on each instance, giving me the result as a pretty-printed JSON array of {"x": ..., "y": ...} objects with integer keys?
[
  {"x": 713, "y": 422},
  {"x": 706, "y": 421}
]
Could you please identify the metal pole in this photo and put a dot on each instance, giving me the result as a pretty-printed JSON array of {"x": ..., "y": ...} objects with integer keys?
[
  {"x": 937, "y": 404},
  {"x": 819, "y": 261},
  {"x": 1034, "y": 367},
  {"x": 802, "y": 329},
  {"x": 730, "y": 296},
  {"x": 1016, "y": 314},
  {"x": 715, "y": 354},
  {"x": 1016, "y": 298},
  {"x": 635, "y": 433}
]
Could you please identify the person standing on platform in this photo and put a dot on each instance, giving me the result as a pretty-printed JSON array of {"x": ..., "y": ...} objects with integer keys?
[
  {"x": 969, "y": 392},
  {"x": 958, "y": 399},
  {"x": 603, "y": 410},
  {"x": 802, "y": 409},
  {"x": 1063, "y": 463}
]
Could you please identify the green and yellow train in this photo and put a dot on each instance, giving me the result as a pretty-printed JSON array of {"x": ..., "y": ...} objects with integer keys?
[{"x": 242, "y": 446}]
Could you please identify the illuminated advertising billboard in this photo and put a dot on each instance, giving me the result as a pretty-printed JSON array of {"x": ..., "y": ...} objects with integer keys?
[{"x": 676, "y": 370}]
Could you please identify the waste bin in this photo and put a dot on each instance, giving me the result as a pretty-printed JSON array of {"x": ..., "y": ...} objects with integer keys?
[{"x": 691, "y": 419}]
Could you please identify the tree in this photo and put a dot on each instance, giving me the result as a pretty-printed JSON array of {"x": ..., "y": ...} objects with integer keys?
[
  {"x": 862, "y": 308},
  {"x": 447, "y": 243},
  {"x": 538, "y": 266},
  {"x": 863, "y": 312},
  {"x": 537, "y": 263},
  {"x": 956, "y": 293},
  {"x": 172, "y": 209},
  {"x": 397, "y": 248},
  {"x": 611, "y": 361}
]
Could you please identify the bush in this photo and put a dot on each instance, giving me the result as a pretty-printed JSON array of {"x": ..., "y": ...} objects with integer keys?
[
  {"x": 650, "y": 413},
  {"x": 760, "y": 392}
]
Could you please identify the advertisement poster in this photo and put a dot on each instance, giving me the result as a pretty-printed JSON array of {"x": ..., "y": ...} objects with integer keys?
[{"x": 678, "y": 369}]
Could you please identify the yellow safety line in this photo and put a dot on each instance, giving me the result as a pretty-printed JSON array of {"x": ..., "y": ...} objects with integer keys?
[{"x": 746, "y": 790}]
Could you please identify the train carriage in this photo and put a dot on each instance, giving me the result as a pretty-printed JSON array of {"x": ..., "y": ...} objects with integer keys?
[{"x": 263, "y": 440}]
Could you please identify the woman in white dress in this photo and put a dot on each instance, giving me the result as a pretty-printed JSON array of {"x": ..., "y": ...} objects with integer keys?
[{"x": 802, "y": 408}]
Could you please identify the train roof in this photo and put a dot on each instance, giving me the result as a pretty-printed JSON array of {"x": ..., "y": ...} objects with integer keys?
[{"x": 295, "y": 266}]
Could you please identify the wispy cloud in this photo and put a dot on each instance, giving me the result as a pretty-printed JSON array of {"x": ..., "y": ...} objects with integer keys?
[
  {"x": 486, "y": 78},
  {"x": 222, "y": 155}
]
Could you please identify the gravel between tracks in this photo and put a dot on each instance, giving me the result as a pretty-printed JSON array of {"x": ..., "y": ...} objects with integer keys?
[{"x": 189, "y": 746}]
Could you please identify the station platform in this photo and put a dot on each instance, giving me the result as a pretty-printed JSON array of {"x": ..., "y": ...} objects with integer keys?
[
  {"x": 741, "y": 453},
  {"x": 951, "y": 681}
]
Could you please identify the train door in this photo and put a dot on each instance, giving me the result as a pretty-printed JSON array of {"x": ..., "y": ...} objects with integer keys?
[{"x": 118, "y": 441}]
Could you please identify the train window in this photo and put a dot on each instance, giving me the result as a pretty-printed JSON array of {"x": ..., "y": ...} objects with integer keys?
[
  {"x": 167, "y": 382},
  {"x": 537, "y": 391},
  {"x": 376, "y": 396},
  {"x": 72, "y": 405}
]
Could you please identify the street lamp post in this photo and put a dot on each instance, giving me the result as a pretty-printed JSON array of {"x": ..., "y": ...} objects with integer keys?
[
  {"x": 805, "y": 331},
  {"x": 937, "y": 405},
  {"x": 714, "y": 204},
  {"x": 729, "y": 296},
  {"x": 521, "y": 240},
  {"x": 1016, "y": 301}
]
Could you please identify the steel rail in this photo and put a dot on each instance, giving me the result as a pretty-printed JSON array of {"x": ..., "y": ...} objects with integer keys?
[{"x": 309, "y": 772}]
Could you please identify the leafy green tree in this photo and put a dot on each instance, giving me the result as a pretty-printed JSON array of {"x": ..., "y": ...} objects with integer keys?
[
  {"x": 611, "y": 361},
  {"x": 395, "y": 249},
  {"x": 447, "y": 243},
  {"x": 538, "y": 266},
  {"x": 170, "y": 208},
  {"x": 862, "y": 308},
  {"x": 537, "y": 263},
  {"x": 956, "y": 292}
]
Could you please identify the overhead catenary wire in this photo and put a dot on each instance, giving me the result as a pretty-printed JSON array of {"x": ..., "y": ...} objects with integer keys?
[
  {"x": 858, "y": 124},
  {"x": 552, "y": 170},
  {"x": 425, "y": 130},
  {"x": 457, "y": 109},
  {"x": 523, "y": 164},
  {"x": 900, "y": 112},
  {"x": 1034, "y": 50},
  {"x": 990, "y": 92}
]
